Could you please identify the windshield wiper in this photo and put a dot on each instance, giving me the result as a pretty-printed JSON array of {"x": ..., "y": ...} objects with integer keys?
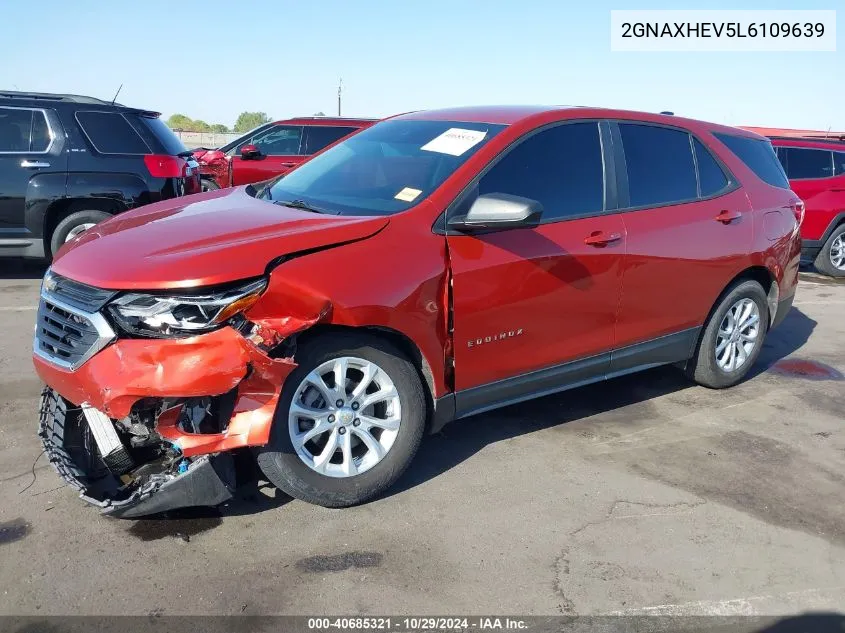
[{"x": 301, "y": 204}]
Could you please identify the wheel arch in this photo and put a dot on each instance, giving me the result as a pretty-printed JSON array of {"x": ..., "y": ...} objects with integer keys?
[
  {"x": 762, "y": 276},
  {"x": 61, "y": 209}
]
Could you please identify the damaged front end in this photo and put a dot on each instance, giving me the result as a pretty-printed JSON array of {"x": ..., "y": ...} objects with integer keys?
[{"x": 145, "y": 425}]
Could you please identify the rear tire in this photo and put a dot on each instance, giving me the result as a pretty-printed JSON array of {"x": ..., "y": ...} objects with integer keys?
[
  {"x": 207, "y": 184},
  {"x": 831, "y": 258},
  {"x": 298, "y": 466},
  {"x": 73, "y": 225},
  {"x": 732, "y": 337}
]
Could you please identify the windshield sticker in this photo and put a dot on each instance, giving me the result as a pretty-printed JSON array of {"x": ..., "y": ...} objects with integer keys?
[
  {"x": 408, "y": 194},
  {"x": 454, "y": 141}
]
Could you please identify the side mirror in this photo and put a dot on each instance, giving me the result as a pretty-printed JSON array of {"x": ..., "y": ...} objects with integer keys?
[
  {"x": 497, "y": 211},
  {"x": 250, "y": 152}
]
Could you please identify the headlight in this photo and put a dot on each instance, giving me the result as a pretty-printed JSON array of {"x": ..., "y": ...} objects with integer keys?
[{"x": 172, "y": 315}]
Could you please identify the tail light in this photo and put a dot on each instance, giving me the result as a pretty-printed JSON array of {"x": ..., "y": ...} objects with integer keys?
[
  {"x": 167, "y": 166},
  {"x": 798, "y": 209}
]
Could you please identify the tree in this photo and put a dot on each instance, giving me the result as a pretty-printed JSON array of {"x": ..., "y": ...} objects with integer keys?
[
  {"x": 201, "y": 126},
  {"x": 248, "y": 120},
  {"x": 219, "y": 128},
  {"x": 180, "y": 122},
  {"x": 320, "y": 113}
]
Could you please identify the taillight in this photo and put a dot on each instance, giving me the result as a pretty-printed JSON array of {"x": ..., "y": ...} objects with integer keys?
[
  {"x": 166, "y": 166},
  {"x": 798, "y": 209}
]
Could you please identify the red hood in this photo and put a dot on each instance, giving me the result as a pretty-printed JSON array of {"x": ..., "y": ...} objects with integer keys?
[
  {"x": 201, "y": 240},
  {"x": 207, "y": 155}
]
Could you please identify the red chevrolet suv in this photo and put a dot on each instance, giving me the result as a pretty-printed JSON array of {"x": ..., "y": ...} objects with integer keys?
[
  {"x": 434, "y": 266},
  {"x": 816, "y": 172},
  {"x": 271, "y": 149}
]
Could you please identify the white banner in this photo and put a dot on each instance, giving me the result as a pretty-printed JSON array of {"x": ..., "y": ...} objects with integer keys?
[{"x": 722, "y": 30}]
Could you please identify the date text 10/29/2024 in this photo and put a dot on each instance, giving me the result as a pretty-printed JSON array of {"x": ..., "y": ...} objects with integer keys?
[{"x": 417, "y": 624}]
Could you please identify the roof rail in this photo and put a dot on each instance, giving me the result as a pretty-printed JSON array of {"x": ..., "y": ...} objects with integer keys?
[
  {"x": 49, "y": 96},
  {"x": 840, "y": 138}
]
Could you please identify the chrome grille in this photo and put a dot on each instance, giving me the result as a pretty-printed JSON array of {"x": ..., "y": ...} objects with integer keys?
[{"x": 66, "y": 334}]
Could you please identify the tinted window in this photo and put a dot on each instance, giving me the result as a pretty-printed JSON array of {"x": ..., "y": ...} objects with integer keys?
[
  {"x": 807, "y": 163},
  {"x": 758, "y": 156},
  {"x": 316, "y": 138},
  {"x": 711, "y": 178},
  {"x": 560, "y": 167},
  {"x": 172, "y": 144},
  {"x": 111, "y": 133},
  {"x": 15, "y": 128},
  {"x": 838, "y": 163},
  {"x": 659, "y": 163},
  {"x": 280, "y": 140}
]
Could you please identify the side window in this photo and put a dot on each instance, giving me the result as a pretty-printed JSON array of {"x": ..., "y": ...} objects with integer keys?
[
  {"x": 560, "y": 167},
  {"x": 711, "y": 178},
  {"x": 16, "y": 130},
  {"x": 316, "y": 138},
  {"x": 280, "y": 140},
  {"x": 838, "y": 163},
  {"x": 660, "y": 165},
  {"x": 808, "y": 163},
  {"x": 40, "y": 133},
  {"x": 111, "y": 133},
  {"x": 758, "y": 156}
]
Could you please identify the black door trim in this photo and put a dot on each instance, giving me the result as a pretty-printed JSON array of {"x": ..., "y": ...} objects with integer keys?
[{"x": 664, "y": 350}]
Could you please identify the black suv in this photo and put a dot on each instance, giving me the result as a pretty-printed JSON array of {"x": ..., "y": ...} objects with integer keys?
[{"x": 68, "y": 162}]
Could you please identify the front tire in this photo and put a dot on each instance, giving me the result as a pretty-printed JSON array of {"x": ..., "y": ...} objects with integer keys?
[
  {"x": 349, "y": 421},
  {"x": 831, "y": 258},
  {"x": 74, "y": 224},
  {"x": 732, "y": 338}
]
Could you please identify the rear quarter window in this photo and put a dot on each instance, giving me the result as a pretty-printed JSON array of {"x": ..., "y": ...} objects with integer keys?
[
  {"x": 759, "y": 156},
  {"x": 111, "y": 133},
  {"x": 171, "y": 143}
]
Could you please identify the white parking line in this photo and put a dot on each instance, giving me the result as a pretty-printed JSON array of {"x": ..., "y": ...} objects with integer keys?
[{"x": 18, "y": 309}]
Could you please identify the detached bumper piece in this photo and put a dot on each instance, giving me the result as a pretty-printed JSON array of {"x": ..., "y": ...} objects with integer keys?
[{"x": 72, "y": 438}]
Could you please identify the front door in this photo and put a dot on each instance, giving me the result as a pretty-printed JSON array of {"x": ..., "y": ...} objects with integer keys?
[
  {"x": 30, "y": 148},
  {"x": 281, "y": 148},
  {"x": 528, "y": 302}
]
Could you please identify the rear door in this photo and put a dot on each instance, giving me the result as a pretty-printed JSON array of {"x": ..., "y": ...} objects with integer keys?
[
  {"x": 533, "y": 299},
  {"x": 281, "y": 148},
  {"x": 31, "y": 150},
  {"x": 318, "y": 137},
  {"x": 811, "y": 176},
  {"x": 689, "y": 231}
]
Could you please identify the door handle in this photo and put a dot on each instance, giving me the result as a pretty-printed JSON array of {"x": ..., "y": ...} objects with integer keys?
[
  {"x": 600, "y": 239},
  {"x": 726, "y": 217},
  {"x": 33, "y": 164},
  {"x": 288, "y": 164}
]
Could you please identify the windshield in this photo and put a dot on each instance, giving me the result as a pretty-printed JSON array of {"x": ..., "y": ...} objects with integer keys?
[{"x": 383, "y": 169}]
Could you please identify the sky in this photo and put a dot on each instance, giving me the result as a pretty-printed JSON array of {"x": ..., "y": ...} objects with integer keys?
[{"x": 213, "y": 59}]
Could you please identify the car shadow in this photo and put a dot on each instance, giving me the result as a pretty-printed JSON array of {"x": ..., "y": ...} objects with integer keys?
[
  {"x": 460, "y": 440},
  {"x": 824, "y": 622},
  {"x": 23, "y": 269}
]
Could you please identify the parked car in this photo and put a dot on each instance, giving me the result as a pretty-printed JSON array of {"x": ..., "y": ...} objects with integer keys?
[
  {"x": 434, "y": 266},
  {"x": 816, "y": 172},
  {"x": 68, "y": 162},
  {"x": 271, "y": 149}
]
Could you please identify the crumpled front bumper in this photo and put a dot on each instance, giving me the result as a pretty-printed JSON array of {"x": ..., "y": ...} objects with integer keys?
[
  {"x": 131, "y": 370},
  {"x": 208, "y": 481},
  {"x": 211, "y": 364}
]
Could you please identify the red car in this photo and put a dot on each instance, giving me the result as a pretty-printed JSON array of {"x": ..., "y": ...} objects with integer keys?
[
  {"x": 271, "y": 149},
  {"x": 434, "y": 266},
  {"x": 816, "y": 172}
]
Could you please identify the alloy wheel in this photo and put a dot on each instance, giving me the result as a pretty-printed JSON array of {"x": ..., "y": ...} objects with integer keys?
[
  {"x": 344, "y": 417},
  {"x": 837, "y": 252},
  {"x": 78, "y": 230},
  {"x": 738, "y": 334}
]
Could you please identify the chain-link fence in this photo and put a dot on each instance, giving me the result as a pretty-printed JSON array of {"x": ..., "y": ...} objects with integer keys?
[{"x": 205, "y": 139}]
